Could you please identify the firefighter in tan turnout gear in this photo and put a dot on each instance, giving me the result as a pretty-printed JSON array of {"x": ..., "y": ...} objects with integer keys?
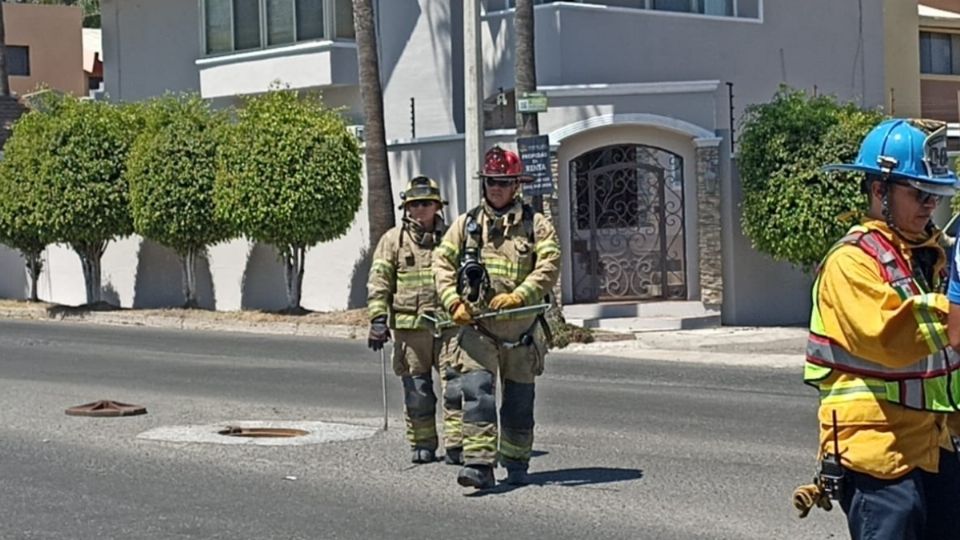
[
  {"x": 401, "y": 293},
  {"x": 499, "y": 256}
]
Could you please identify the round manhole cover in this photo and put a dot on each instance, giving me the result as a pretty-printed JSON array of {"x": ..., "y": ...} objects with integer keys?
[
  {"x": 235, "y": 431},
  {"x": 261, "y": 433}
]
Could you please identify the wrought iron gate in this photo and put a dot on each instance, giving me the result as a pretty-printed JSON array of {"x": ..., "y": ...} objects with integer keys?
[{"x": 627, "y": 224}]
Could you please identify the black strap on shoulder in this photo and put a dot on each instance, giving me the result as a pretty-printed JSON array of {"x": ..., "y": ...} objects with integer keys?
[
  {"x": 528, "y": 227},
  {"x": 472, "y": 231},
  {"x": 475, "y": 239}
]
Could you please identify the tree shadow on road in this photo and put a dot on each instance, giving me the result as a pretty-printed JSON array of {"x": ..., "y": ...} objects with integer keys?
[{"x": 588, "y": 476}]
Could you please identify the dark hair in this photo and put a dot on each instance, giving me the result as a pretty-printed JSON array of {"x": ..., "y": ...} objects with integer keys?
[{"x": 867, "y": 180}]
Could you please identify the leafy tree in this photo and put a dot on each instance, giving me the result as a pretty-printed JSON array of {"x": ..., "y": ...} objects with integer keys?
[
  {"x": 793, "y": 210},
  {"x": 22, "y": 225},
  {"x": 289, "y": 175},
  {"x": 171, "y": 171},
  {"x": 77, "y": 153}
]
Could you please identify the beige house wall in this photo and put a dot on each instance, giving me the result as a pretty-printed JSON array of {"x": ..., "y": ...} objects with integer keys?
[
  {"x": 54, "y": 36},
  {"x": 902, "y": 58}
]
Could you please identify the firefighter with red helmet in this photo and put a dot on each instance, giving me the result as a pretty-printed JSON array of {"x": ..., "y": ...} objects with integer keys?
[
  {"x": 501, "y": 255},
  {"x": 401, "y": 295}
]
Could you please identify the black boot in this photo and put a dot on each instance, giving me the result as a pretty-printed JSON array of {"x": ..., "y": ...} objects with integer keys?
[
  {"x": 423, "y": 455},
  {"x": 454, "y": 456},
  {"x": 477, "y": 476},
  {"x": 516, "y": 474}
]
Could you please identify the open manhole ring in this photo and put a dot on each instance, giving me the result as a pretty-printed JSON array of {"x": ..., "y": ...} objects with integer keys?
[
  {"x": 262, "y": 432},
  {"x": 106, "y": 407}
]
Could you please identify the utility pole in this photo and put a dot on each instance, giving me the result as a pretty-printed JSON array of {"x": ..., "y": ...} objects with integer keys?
[{"x": 473, "y": 98}]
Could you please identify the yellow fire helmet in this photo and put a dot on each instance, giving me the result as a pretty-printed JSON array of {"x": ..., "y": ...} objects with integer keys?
[{"x": 421, "y": 188}]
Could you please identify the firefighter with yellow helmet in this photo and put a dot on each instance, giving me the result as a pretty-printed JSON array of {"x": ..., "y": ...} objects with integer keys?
[
  {"x": 877, "y": 350},
  {"x": 497, "y": 257},
  {"x": 401, "y": 296}
]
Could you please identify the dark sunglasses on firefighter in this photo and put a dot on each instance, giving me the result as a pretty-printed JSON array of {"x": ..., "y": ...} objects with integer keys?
[
  {"x": 923, "y": 197},
  {"x": 499, "y": 182}
]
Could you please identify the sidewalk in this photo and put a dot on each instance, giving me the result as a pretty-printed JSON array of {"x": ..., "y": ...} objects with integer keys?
[
  {"x": 771, "y": 347},
  {"x": 774, "y": 347}
]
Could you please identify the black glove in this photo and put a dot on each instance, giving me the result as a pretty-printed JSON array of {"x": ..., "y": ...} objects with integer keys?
[{"x": 379, "y": 333}]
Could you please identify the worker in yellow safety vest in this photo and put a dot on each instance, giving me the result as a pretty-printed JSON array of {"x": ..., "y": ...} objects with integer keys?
[{"x": 878, "y": 350}]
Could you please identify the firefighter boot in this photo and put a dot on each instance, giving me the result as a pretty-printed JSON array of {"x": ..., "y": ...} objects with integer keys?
[
  {"x": 477, "y": 476},
  {"x": 454, "y": 456},
  {"x": 516, "y": 473},
  {"x": 423, "y": 455}
]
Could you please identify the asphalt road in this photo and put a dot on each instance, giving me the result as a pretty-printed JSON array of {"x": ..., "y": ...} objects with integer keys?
[{"x": 624, "y": 448}]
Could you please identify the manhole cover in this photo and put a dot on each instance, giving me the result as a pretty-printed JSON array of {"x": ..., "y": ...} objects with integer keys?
[
  {"x": 106, "y": 407},
  {"x": 250, "y": 433},
  {"x": 235, "y": 431}
]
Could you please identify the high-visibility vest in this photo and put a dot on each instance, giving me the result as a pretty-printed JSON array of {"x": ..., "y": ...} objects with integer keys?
[{"x": 931, "y": 383}]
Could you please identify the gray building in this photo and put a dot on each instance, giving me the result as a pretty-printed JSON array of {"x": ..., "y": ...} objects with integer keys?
[{"x": 640, "y": 95}]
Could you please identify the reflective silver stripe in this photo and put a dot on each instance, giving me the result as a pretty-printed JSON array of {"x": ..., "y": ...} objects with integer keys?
[
  {"x": 823, "y": 352},
  {"x": 888, "y": 258},
  {"x": 911, "y": 393}
]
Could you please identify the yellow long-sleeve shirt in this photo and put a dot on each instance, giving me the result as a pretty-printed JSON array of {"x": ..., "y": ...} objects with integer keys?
[{"x": 865, "y": 315}]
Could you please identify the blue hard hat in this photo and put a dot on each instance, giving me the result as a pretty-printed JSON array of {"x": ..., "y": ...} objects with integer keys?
[{"x": 912, "y": 150}]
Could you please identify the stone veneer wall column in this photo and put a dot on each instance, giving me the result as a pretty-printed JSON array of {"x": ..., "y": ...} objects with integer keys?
[{"x": 709, "y": 242}]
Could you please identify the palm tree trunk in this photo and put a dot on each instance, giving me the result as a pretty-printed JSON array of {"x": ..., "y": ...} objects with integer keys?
[
  {"x": 525, "y": 67},
  {"x": 525, "y": 75},
  {"x": 4, "y": 76},
  {"x": 379, "y": 189}
]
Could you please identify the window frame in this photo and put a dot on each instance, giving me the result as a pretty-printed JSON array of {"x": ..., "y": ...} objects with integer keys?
[
  {"x": 329, "y": 28},
  {"x": 696, "y": 9},
  {"x": 26, "y": 56},
  {"x": 953, "y": 60}
]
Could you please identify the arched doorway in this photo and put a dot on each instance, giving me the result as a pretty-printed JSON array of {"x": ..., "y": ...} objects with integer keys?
[{"x": 627, "y": 224}]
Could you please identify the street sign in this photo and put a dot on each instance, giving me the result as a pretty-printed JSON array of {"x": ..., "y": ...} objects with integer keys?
[
  {"x": 532, "y": 102},
  {"x": 535, "y": 154}
]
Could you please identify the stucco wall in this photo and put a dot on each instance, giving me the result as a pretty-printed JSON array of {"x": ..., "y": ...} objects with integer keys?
[
  {"x": 234, "y": 275},
  {"x": 766, "y": 292},
  {"x": 902, "y": 58},
  {"x": 421, "y": 58},
  {"x": 149, "y": 47},
  {"x": 804, "y": 44},
  {"x": 53, "y": 35}
]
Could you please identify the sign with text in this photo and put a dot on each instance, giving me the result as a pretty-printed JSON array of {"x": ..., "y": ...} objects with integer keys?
[
  {"x": 532, "y": 102},
  {"x": 535, "y": 154}
]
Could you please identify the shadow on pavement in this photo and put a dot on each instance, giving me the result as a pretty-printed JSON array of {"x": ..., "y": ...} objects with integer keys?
[{"x": 588, "y": 476}]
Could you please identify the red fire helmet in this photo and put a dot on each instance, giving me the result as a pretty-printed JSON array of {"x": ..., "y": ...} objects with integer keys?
[{"x": 500, "y": 163}]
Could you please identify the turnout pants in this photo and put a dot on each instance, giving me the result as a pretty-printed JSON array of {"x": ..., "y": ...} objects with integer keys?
[
  {"x": 481, "y": 358},
  {"x": 916, "y": 506},
  {"x": 416, "y": 353}
]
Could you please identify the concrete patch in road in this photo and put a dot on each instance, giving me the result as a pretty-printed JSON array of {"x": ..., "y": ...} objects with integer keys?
[{"x": 317, "y": 433}]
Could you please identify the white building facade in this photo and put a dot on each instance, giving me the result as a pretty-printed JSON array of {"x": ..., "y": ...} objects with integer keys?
[{"x": 642, "y": 98}]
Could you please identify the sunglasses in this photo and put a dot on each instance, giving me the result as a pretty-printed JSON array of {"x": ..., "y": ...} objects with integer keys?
[
  {"x": 923, "y": 197},
  {"x": 419, "y": 204},
  {"x": 497, "y": 182}
]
